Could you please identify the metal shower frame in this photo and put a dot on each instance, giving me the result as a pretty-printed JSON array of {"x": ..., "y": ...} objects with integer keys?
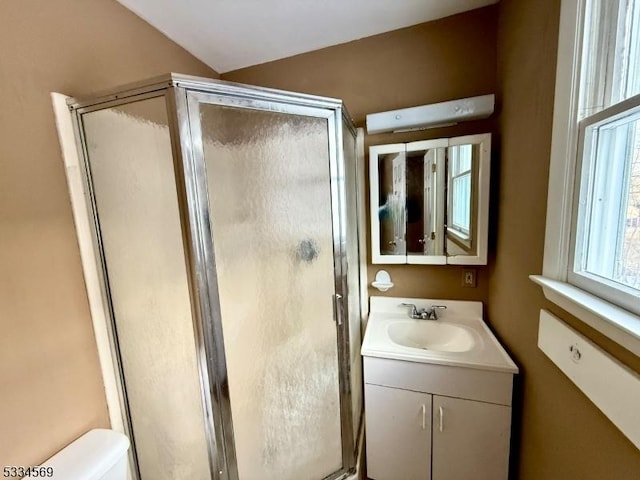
[{"x": 182, "y": 95}]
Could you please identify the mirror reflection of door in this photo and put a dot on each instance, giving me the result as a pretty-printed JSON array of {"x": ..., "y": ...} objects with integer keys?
[
  {"x": 462, "y": 163},
  {"x": 399, "y": 204},
  {"x": 425, "y": 204},
  {"x": 392, "y": 200},
  {"x": 418, "y": 215}
]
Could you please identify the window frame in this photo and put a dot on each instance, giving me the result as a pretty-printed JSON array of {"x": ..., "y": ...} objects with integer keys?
[
  {"x": 619, "y": 324},
  {"x": 590, "y": 282},
  {"x": 455, "y": 176}
]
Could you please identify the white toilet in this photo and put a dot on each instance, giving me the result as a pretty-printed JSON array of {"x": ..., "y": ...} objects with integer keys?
[{"x": 97, "y": 455}]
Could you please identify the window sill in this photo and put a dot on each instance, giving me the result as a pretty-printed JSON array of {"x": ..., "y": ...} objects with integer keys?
[
  {"x": 618, "y": 324},
  {"x": 460, "y": 235}
]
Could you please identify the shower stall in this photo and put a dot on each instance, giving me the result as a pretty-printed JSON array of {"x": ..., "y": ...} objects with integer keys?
[{"x": 225, "y": 222}]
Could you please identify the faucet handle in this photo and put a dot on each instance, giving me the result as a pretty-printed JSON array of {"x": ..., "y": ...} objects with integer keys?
[
  {"x": 414, "y": 309},
  {"x": 434, "y": 308}
]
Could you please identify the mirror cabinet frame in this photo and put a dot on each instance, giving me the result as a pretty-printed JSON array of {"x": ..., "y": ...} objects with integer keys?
[{"x": 479, "y": 213}]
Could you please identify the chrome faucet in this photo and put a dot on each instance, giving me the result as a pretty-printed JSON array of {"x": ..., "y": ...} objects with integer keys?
[{"x": 430, "y": 313}]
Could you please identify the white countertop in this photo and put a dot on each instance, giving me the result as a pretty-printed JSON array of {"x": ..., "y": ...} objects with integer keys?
[{"x": 486, "y": 354}]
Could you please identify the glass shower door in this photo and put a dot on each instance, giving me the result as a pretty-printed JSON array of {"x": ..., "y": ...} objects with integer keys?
[
  {"x": 269, "y": 181},
  {"x": 132, "y": 179}
]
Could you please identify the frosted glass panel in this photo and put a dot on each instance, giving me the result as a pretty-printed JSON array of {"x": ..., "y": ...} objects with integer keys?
[
  {"x": 132, "y": 168},
  {"x": 353, "y": 277},
  {"x": 269, "y": 193}
]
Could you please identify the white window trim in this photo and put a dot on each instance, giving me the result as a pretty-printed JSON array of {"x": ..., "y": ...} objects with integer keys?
[{"x": 619, "y": 325}]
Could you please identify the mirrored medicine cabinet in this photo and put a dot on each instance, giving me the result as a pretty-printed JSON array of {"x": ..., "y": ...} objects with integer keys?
[{"x": 430, "y": 201}]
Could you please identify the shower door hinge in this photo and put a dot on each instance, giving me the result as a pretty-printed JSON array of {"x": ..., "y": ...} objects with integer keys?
[{"x": 337, "y": 308}]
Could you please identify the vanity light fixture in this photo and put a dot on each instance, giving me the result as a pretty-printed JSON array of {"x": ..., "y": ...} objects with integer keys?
[{"x": 430, "y": 116}]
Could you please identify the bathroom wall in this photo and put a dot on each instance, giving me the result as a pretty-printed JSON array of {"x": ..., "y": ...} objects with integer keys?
[
  {"x": 509, "y": 49},
  {"x": 446, "y": 59},
  {"x": 559, "y": 434},
  {"x": 50, "y": 383},
  {"x": 50, "y": 388}
]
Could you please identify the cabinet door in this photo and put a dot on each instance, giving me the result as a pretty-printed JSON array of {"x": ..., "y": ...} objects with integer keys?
[
  {"x": 398, "y": 429},
  {"x": 470, "y": 440}
]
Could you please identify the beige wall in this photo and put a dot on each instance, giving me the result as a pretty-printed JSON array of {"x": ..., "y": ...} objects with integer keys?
[
  {"x": 50, "y": 384},
  {"x": 559, "y": 434},
  {"x": 451, "y": 58}
]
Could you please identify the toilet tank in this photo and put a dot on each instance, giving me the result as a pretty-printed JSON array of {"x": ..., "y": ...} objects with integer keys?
[{"x": 97, "y": 455}]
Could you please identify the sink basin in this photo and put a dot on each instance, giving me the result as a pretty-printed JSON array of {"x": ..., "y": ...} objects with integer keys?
[
  {"x": 431, "y": 335},
  {"x": 459, "y": 338}
]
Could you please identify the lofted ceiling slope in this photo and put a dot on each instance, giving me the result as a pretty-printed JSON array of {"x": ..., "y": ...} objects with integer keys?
[{"x": 232, "y": 34}]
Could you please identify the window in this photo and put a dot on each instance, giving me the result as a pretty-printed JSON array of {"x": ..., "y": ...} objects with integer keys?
[
  {"x": 591, "y": 264},
  {"x": 605, "y": 245},
  {"x": 610, "y": 54},
  {"x": 460, "y": 190}
]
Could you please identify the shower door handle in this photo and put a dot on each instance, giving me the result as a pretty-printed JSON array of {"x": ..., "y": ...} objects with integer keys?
[{"x": 337, "y": 310}]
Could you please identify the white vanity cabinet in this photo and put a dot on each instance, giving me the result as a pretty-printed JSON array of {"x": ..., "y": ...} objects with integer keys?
[
  {"x": 398, "y": 425},
  {"x": 436, "y": 422},
  {"x": 470, "y": 439}
]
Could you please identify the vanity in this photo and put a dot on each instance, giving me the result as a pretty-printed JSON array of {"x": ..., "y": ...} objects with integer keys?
[{"x": 437, "y": 393}]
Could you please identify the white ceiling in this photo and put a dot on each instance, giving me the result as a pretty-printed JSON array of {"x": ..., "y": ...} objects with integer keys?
[{"x": 231, "y": 34}]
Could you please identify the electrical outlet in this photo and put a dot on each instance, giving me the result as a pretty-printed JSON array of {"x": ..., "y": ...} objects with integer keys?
[{"x": 469, "y": 277}]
